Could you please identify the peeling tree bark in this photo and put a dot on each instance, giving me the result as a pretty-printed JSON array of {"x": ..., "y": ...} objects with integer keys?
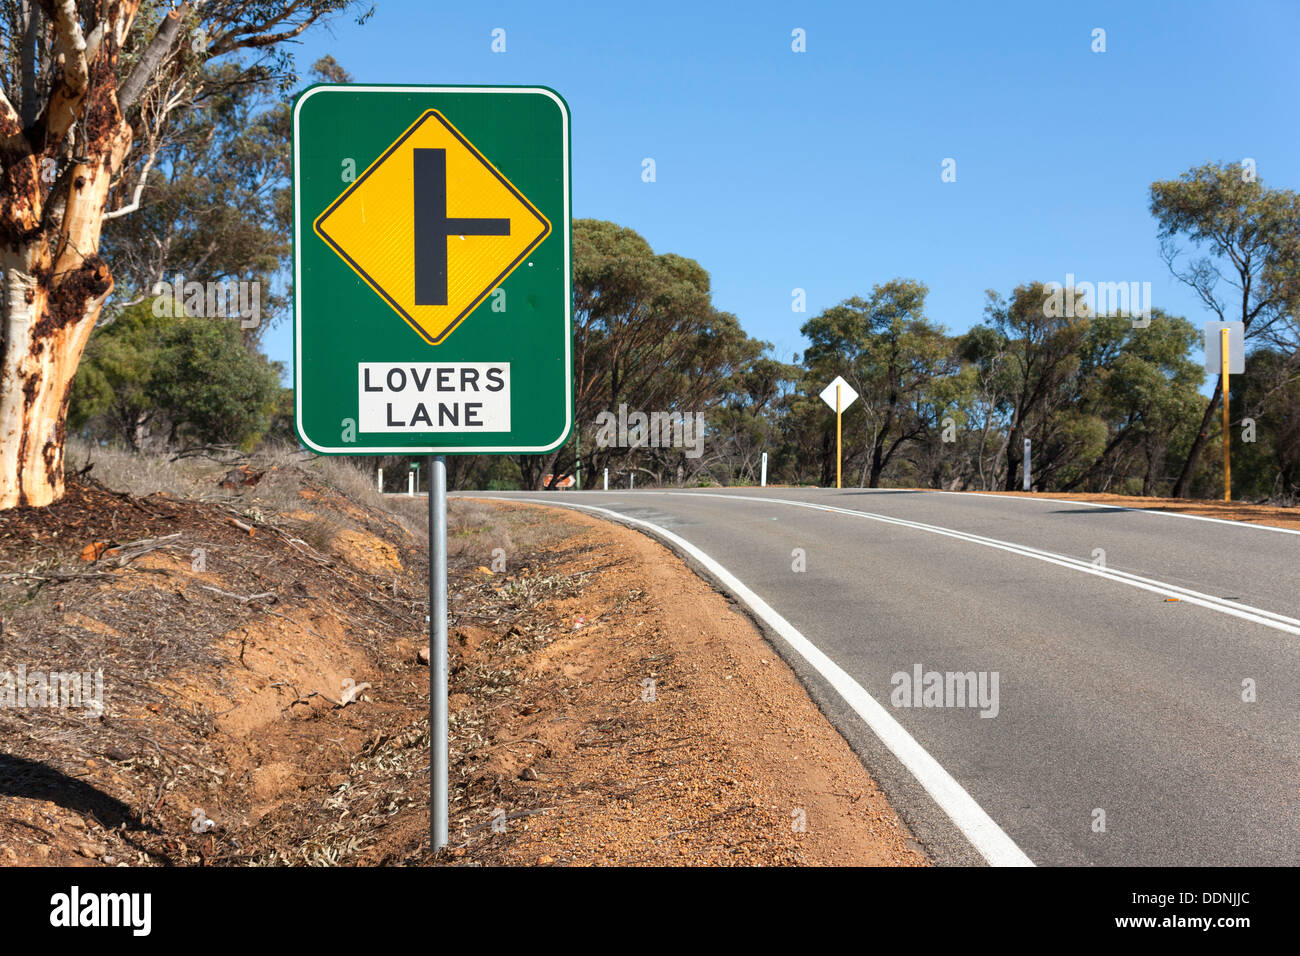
[
  {"x": 54, "y": 283},
  {"x": 49, "y": 311}
]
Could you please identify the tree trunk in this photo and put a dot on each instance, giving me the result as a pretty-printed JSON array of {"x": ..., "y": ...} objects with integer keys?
[
  {"x": 1013, "y": 459},
  {"x": 52, "y": 298},
  {"x": 45, "y": 331},
  {"x": 54, "y": 283},
  {"x": 545, "y": 466},
  {"x": 1198, "y": 444},
  {"x": 828, "y": 458},
  {"x": 877, "y": 460}
]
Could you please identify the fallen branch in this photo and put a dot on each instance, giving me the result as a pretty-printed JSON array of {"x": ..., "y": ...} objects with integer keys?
[
  {"x": 505, "y": 743},
  {"x": 141, "y": 548},
  {"x": 239, "y": 597},
  {"x": 509, "y": 816},
  {"x": 351, "y": 693},
  {"x": 707, "y": 821}
]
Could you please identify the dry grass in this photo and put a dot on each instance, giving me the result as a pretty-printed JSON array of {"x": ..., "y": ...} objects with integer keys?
[
  {"x": 139, "y": 474},
  {"x": 286, "y": 470},
  {"x": 474, "y": 529}
]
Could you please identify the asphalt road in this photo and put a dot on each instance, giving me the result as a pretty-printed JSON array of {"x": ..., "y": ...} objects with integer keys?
[{"x": 1111, "y": 700}]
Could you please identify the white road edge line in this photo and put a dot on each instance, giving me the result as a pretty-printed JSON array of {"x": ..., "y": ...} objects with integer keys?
[
  {"x": 1278, "y": 622},
  {"x": 969, "y": 817}
]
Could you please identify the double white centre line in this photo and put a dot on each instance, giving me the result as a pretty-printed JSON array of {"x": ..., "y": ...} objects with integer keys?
[{"x": 1279, "y": 622}]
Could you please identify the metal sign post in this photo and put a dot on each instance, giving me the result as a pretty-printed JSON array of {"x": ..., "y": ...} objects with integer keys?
[
  {"x": 1227, "y": 444},
  {"x": 432, "y": 295},
  {"x": 1225, "y": 353},
  {"x": 839, "y": 445},
  {"x": 438, "y": 650}
]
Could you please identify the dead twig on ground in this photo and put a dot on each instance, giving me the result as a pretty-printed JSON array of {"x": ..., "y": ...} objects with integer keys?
[{"x": 239, "y": 597}]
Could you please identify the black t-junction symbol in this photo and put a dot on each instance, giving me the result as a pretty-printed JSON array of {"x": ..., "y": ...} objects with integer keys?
[{"x": 433, "y": 228}]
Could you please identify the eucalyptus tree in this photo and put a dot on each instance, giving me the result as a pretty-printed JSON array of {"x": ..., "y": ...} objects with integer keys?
[
  {"x": 894, "y": 357},
  {"x": 83, "y": 87},
  {"x": 1241, "y": 257},
  {"x": 646, "y": 336}
]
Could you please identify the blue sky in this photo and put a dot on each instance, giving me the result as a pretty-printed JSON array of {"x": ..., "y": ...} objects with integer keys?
[{"x": 821, "y": 170}]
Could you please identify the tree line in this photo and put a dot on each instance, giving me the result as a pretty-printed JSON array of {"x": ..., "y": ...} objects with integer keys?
[{"x": 1109, "y": 402}]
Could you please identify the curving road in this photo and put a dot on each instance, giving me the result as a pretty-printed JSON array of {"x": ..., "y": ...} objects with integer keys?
[{"x": 1118, "y": 734}]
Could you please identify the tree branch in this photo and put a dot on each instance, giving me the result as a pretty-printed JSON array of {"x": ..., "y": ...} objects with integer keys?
[
  {"x": 76, "y": 72},
  {"x": 74, "y": 77},
  {"x": 153, "y": 55},
  {"x": 139, "y": 190},
  {"x": 7, "y": 109},
  {"x": 31, "y": 31}
]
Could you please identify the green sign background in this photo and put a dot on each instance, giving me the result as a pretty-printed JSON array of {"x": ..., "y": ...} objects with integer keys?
[{"x": 339, "y": 321}]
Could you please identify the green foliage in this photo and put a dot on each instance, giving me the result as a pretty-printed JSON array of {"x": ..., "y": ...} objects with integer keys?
[
  {"x": 1269, "y": 395},
  {"x": 217, "y": 201},
  {"x": 646, "y": 335},
  {"x": 1248, "y": 241},
  {"x": 1246, "y": 264},
  {"x": 147, "y": 379},
  {"x": 280, "y": 430},
  {"x": 213, "y": 389}
]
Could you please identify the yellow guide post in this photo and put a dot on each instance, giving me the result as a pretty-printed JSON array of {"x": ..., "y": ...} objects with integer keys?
[
  {"x": 838, "y": 454},
  {"x": 1227, "y": 458}
]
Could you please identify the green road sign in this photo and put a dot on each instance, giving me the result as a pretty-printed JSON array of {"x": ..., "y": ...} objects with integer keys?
[{"x": 432, "y": 301}]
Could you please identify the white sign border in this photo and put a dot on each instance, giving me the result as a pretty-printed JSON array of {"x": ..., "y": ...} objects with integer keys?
[{"x": 297, "y": 279}]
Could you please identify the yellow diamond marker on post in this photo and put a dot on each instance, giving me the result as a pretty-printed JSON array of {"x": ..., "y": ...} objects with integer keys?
[{"x": 432, "y": 226}]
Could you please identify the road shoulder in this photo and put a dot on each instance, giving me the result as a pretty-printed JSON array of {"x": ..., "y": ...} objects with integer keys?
[{"x": 661, "y": 728}]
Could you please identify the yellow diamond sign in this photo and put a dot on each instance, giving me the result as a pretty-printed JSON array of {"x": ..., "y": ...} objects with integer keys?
[{"x": 432, "y": 226}]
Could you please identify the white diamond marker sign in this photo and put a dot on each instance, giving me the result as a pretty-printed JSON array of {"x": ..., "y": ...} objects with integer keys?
[{"x": 847, "y": 395}]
